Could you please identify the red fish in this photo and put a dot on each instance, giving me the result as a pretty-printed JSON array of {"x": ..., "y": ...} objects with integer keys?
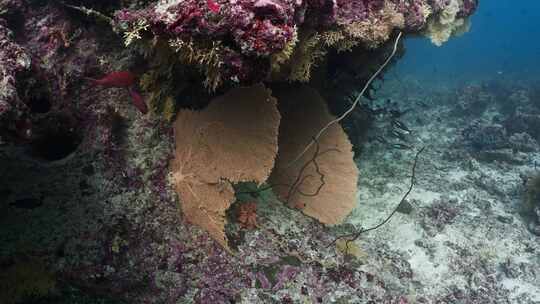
[
  {"x": 138, "y": 101},
  {"x": 120, "y": 79},
  {"x": 213, "y": 6}
]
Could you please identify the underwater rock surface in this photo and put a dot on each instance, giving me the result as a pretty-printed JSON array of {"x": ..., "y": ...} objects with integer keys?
[
  {"x": 117, "y": 234},
  {"x": 250, "y": 40},
  {"x": 86, "y": 203}
]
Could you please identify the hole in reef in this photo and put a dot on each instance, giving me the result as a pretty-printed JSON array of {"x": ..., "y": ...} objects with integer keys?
[
  {"x": 56, "y": 145},
  {"x": 56, "y": 137},
  {"x": 39, "y": 104}
]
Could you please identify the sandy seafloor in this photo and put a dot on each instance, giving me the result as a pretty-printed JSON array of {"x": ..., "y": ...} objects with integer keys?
[
  {"x": 464, "y": 231},
  {"x": 460, "y": 237}
]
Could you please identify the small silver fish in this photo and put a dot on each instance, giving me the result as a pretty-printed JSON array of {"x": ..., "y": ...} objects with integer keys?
[
  {"x": 400, "y": 125},
  {"x": 381, "y": 139},
  {"x": 401, "y": 146},
  {"x": 401, "y": 136}
]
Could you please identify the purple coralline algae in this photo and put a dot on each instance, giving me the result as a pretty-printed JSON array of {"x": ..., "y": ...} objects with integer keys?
[
  {"x": 243, "y": 41},
  {"x": 347, "y": 11},
  {"x": 13, "y": 60},
  {"x": 259, "y": 34},
  {"x": 469, "y": 6},
  {"x": 105, "y": 217}
]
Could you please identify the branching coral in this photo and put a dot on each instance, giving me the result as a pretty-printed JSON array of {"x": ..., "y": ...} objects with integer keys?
[
  {"x": 307, "y": 54},
  {"x": 314, "y": 45},
  {"x": 371, "y": 31},
  {"x": 158, "y": 82},
  {"x": 207, "y": 58},
  {"x": 136, "y": 32},
  {"x": 167, "y": 79},
  {"x": 278, "y": 59}
]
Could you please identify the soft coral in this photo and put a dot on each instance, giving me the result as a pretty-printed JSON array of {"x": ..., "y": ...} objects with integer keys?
[{"x": 247, "y": 215}]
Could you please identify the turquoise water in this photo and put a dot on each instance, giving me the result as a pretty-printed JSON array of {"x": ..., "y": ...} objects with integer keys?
[{"x": 503, "y": 43}]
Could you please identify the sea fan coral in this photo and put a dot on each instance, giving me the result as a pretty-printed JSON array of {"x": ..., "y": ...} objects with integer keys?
[
  {"x": 233, "y": 140},
  {"x": 323, "y": 182}
]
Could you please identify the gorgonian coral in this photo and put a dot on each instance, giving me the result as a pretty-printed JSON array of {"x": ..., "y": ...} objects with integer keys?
[
  {"x": 323, "y": 182},
  {"x": 233, "y": 140}
]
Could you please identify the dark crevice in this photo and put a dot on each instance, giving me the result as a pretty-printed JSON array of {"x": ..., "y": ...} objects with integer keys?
[
  {"x": 56, "y": 145},
  {"x": 39, "y": 104},
  {"x": 56, "y": 137}
]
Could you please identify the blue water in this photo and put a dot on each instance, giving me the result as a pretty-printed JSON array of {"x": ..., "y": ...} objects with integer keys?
[{"x": 504, "y": 42}]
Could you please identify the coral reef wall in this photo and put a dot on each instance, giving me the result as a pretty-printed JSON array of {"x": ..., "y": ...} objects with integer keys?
[
  {"x": 247, "y": 41},
  {"x": 85, "y": 191},
  {"x": 231, "y": 42},
  {"x": 218, "y": 42}
]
